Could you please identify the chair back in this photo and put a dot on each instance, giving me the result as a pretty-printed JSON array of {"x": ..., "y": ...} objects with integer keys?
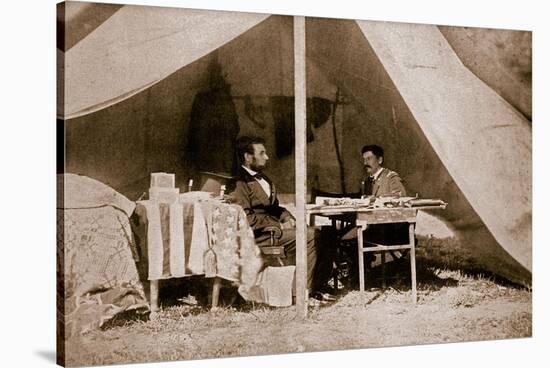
[{"x": 212, "y": 182}]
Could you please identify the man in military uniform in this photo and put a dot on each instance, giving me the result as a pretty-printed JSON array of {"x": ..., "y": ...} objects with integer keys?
[
  {"x": 379, "y": 182},
  {"x": 383, "y": 182}
]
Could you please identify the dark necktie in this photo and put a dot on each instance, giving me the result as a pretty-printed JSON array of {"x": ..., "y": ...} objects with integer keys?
[
  {"x": 260, "y": 176},
  {"x": 367, "y": 187}
]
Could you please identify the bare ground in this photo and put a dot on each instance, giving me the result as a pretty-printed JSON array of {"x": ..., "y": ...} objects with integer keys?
[{"x": 453, "y": 306}]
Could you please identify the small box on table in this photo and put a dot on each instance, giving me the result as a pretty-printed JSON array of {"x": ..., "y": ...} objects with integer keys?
[{"x": 163, "y": 180}]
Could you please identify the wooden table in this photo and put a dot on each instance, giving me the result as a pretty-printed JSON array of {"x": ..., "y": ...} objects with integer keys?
[{"x": 362, "y": 217}]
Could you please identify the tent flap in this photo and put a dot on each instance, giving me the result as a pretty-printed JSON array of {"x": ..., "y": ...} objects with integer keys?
[
  {"x": 139, "y": 46},
  {"x": 466, "y": 122}
]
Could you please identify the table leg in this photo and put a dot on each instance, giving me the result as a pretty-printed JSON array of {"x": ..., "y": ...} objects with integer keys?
[
  {"x": 336, "y": 270},
  {"x": 216, "y": 286},
  {"x": 360, "y": 258},
  {"x": 413, "y": 262},
  {"x": 336, "y": 259},
  {"x": 383, "y": 256},
  {"x": 154, "y": 295}
]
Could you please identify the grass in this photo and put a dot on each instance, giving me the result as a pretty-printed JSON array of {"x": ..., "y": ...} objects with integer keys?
[{"x": 456, "y": 302}]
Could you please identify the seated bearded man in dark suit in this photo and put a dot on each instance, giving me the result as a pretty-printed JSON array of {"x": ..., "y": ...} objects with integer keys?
[{"x": 257, "y": 194}]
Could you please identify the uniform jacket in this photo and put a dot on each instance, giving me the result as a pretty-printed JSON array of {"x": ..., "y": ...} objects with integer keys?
[
  {"x": 261, "y": 210},
  {"x": 388, "y": 184}
]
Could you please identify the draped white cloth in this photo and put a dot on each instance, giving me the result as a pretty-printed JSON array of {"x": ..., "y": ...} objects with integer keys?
[{"x": 139, "y": 46}]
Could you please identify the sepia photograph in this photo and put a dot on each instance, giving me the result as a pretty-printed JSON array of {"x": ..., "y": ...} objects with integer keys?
[
  {"x": 245, "y": 182},
  {"x": 289, "y": 184}
]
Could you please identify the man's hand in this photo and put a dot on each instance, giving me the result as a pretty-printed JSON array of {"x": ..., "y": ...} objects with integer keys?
[{"x": 290, "y": 224}]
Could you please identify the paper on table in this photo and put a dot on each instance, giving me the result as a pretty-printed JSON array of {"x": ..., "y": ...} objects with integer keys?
[{"x": 194, "y": 196}]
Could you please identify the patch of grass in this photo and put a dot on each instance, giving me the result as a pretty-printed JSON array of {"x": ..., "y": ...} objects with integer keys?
[
  {"x": 450, "y": 254},
  {"x": 456, "y": 302}
]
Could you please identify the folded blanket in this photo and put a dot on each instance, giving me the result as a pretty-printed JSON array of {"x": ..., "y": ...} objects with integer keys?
[
  {"x": 97, "y": 274},
  {"x": 273, "y": 287},
  {"x": 80, "y": 191}
]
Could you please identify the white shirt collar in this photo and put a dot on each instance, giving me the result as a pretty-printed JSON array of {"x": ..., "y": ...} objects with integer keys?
[
  {"x": 377, "y": 174},
  {"x": 263, "y": 183},
  {"x": 250, "y": 171}
]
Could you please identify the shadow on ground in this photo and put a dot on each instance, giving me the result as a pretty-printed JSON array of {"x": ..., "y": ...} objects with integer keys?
[{"x": 190, "y": 295}]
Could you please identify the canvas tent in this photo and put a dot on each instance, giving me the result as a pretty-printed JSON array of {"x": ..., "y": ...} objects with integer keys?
[{"x": 453, "y": 129}]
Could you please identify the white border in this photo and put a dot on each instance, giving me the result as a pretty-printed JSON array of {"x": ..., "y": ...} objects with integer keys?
[{"x": 27, "y": 238}]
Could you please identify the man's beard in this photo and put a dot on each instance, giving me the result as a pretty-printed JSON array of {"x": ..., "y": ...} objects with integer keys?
[{"x": 254, "y": 166}]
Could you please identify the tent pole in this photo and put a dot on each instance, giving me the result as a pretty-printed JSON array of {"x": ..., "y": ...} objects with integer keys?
[{"x": 300, "y": 162}]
